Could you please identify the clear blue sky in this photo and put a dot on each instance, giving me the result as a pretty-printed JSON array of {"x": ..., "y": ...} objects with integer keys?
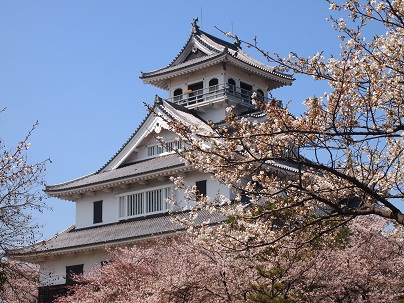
[{"x": 74, "y": 66}]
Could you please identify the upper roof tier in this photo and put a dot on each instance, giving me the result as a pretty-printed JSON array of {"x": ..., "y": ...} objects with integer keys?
[{"x": 203, "y": 50}]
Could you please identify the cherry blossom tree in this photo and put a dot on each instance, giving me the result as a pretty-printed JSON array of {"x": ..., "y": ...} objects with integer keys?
[
  {"x": 165, "y": 270},
  {"x": 365, "y": 267},
  {"x": 368, "y": 269},
  {"x": 178, "y": 270},
  {"x": 20, "y": 285},
  {"x": 313, "y": 194},
  {"x": 20, "y": 195},
  {"x": 297, "y": 178}
]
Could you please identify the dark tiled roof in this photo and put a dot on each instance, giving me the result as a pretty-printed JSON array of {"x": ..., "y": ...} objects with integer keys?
[
  {"x": 218, "y": 41},
  {"x": 189, "y": 63},
  {"x": 136, "y": 169},
  {"x": 215, "y": 49},
  {"x": 176, "y": 113},
  {"x": 215, "y": 46},
  {"x": 284, "y": 165},
  {"x": 116, "y": 233}
]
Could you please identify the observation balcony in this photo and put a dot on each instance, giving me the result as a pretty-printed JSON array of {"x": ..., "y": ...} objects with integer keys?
[{"x": 217, "y": 93}]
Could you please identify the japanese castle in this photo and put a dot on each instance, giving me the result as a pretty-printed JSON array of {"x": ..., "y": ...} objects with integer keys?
[{"x": 124, "y": 202}]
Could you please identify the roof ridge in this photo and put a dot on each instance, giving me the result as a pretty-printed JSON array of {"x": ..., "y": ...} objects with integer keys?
[
  {"x": 197, "y": 35},
  {"x": 190, "y": 62},
  {"x": 220, "y": 41},
  {"x": 180, "y": 52},
  {"x": 124, "y": 144}
]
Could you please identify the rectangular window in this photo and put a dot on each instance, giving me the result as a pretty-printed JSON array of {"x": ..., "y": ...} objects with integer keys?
[
  {"x": 73, "y": 270},
  {"x": 154, "y": 201},
  {"x": 144, "y": 203},
  {"x": 200, "y": 188},
  {"x": 97, "y": 213}
]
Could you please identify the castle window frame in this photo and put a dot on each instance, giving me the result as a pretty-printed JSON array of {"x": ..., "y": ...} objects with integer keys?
[
  {"x": 73, "y": 270},
  {"x": 144, "y": 203},
  {"x": 260, "y": 94},
  {"x": 201, "y": 189},
  {"x": 195, "y": 91},
  {"x": 231, "y": 85},
  {"x": 97, "y": 212},
  {"x": 178, "y": 94},
  {"x": 246, "y": 91},
  {"x": 213, "y": 85}
]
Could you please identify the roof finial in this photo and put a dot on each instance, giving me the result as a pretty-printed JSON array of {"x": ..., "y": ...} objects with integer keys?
[
  {"x": 195, "y": 26},
  {"x": 237, "y": 43},
  {"x": 157, "y": 99}
]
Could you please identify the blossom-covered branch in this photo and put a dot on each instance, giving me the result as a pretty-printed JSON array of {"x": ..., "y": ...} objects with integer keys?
[{"x": 341, "y": 158}]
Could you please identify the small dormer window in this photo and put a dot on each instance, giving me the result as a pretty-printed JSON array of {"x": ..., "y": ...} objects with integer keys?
[
  {"x": 158, "y": 149},
  {"x": 173, "y": 145}
]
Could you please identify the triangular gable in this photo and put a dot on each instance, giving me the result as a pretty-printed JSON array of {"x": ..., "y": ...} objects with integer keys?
[
  {"x": 196, "y": 48},
  {"x": 154, "y": 125},
  {"x": 150, "y": 127},
  {"x": 196, "y": 53}
]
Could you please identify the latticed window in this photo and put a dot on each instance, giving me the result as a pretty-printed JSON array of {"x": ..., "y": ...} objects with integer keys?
[
  {"x": 168, "y": 147},
  {"x": 144, "y": 203},
  {"x": 154, "y": 150}
]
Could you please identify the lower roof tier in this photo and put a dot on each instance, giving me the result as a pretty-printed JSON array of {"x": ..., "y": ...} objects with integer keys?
[{"x": 125, "y": 232}]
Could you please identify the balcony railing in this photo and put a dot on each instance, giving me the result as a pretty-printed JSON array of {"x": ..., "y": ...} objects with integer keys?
[{"x": 215, "y": 93}]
